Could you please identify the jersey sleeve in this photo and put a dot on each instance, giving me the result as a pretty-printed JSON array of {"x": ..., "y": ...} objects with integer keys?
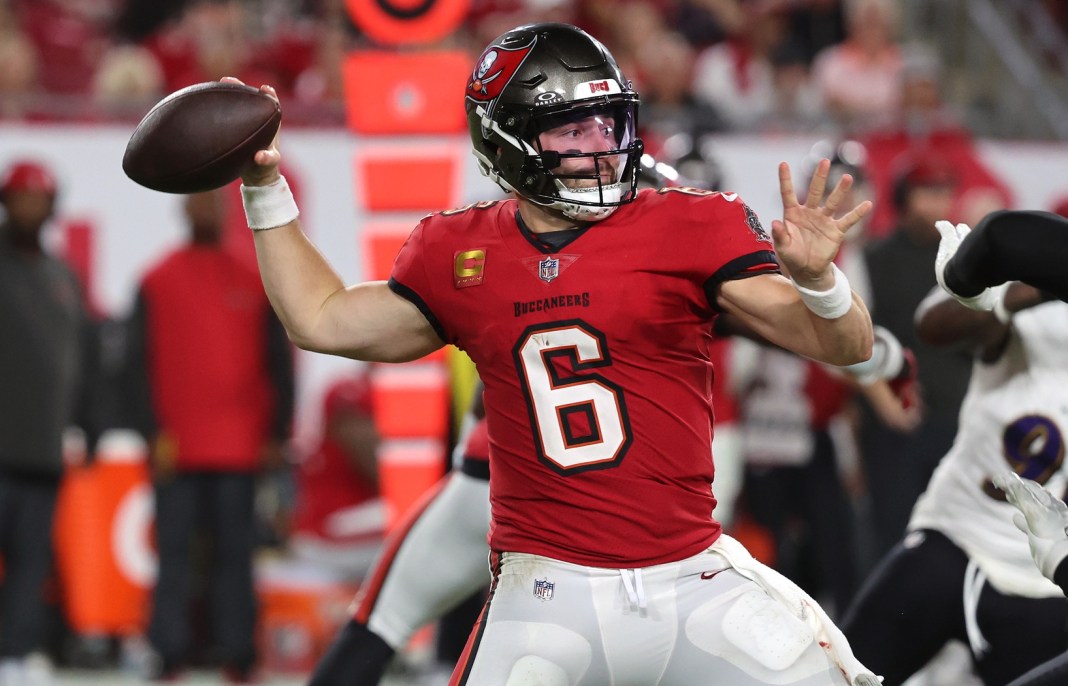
[
  {"x": 735, "y": 245},
  {"x": 410, "y": 279}
]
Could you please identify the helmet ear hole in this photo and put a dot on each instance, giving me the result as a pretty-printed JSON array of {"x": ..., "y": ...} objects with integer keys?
[{"x": 511, "y": 124}]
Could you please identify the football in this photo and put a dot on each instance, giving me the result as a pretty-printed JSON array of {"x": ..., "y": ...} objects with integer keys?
[{"x": 201, "y": 137}]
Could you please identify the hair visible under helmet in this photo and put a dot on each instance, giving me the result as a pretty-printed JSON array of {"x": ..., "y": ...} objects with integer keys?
[{"x": 532, "y": 79}]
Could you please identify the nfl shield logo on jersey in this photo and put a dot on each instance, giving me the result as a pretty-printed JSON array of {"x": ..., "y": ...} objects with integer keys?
[
  {"x": 548, "y": 269},
  {"x": 543, "y": 589}
]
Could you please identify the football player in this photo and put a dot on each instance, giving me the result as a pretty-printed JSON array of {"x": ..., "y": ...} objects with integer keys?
[
  {"x": 963, "y": 571},
  {"x": 430, "y": 563},
  {"x": 587, "y": 308}
]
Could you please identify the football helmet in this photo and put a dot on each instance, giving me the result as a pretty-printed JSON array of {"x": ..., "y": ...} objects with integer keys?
[{"x": 541, "y": 77}]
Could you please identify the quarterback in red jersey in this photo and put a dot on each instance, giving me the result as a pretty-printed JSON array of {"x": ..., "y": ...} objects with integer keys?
[{"x": 587, "y": 308}]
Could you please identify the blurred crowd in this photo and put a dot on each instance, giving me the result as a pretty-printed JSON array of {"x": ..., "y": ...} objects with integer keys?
[
  {"x": 831, "y": 68},
  {"x": 713, "y": 65}
]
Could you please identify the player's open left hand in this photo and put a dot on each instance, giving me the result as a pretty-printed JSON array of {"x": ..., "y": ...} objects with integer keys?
[
  {"x": 808, "y": 235},
  {"x": 265, "y": 171}
]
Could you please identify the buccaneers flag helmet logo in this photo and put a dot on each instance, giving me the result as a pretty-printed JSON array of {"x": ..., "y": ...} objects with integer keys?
[{"x": 494, "y": 70}]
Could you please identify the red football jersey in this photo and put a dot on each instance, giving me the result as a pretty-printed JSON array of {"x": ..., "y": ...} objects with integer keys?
[{"x": 596, "y": 365}]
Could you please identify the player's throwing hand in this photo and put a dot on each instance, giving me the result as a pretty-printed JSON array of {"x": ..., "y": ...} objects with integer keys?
[
  {"x": 265, "y": 171},
  {"x": 808, "y": 236}
]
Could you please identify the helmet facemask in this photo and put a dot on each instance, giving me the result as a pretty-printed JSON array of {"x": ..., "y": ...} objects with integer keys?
[
  {"x": 589, "y": 154},
  {"x": 579, "y": 159}
]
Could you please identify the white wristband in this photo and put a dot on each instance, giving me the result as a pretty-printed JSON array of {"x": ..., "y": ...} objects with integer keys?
[
  {"x": 829, "y": 304},
  {"x": 270, "y": 206}
]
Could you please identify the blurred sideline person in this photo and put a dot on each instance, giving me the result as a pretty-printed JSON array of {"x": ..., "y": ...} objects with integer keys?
[
  {"x": 900, "y": 274},
  {"x": 210, "y": 380},
  {"x": 446, "y": 533},
  {"x": 602, "y": 535},
  {"x": 49, "y": 353},
  {"x": 962, "y": 570},
  {"x": 339, "y": 520}
]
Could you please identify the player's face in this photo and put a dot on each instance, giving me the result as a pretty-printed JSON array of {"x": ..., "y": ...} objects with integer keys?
[{"x": 595, "y": 133}]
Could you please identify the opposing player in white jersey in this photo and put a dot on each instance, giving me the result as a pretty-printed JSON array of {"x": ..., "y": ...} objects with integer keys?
[
  {"x": 963, "y": 570},
  {"x": 973, "y": 267}
]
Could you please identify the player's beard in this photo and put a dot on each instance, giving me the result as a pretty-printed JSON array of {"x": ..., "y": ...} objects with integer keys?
[{"x": 608, "y": 167}]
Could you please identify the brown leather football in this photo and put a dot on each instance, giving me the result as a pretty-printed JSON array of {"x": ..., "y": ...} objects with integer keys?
[{"x": 201, "y": 137}]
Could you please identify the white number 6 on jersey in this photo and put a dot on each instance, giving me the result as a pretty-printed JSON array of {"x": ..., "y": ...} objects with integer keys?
[{"x": 580, "y": 419}]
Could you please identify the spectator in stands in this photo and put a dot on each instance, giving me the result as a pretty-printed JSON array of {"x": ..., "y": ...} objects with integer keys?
[
  {"x": 627, "y": 28},
  {"x": 796, "y": 103},
  {"x": 128, "y": 79},
  {"x": 860, "y": 78},
  {"x": 308, "y": 59},
  {"x": 735, "y": 77},
  {"x": 668, "y": 102},
  {"x": 899, "y": 463},
  {"x": 922, "y": 107},
  {"x": 139, "y": 19},
  {"x": 707, "y": 22},
  {"x": 339, "y": 520},
  {"x": 925, "y": 122},
  {"x": 70, "y": 37},
  {"x": 48, "y": 355},
  {"x": 18, "y": 78},
  {"x": 209, "y": 41},
  {"x": 211, "y": 382},
  {"x": 815, "y": 25}
]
